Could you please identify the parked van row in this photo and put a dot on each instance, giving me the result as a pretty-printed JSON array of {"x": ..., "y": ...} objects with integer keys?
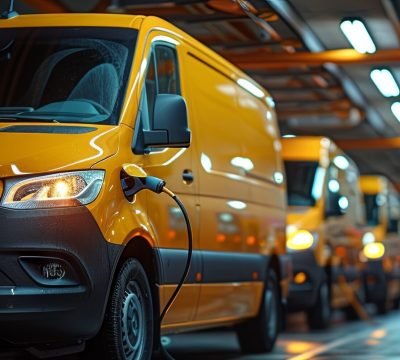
[
  {"x": 342, "y": 233},
  {"x": 97, "y": 113}
]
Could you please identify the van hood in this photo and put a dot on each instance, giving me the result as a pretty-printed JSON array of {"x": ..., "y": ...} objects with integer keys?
[
  {"x": 302, "y": 217},
  {"x": 33, "y": 148}
]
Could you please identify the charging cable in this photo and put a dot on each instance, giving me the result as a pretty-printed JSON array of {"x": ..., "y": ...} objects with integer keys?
[{"x": 132, "y": 185}]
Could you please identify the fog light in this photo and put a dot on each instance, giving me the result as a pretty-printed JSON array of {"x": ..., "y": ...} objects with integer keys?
[
  {"x": 300, "y": 278},
  {"x": 53, "y": 271}
]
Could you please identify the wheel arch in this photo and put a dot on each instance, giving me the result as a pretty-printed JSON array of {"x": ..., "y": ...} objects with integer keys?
[{"x": 141, "y": 249}]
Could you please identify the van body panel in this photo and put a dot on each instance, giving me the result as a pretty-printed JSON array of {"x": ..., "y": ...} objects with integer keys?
[{"x": 80, "y": 149}]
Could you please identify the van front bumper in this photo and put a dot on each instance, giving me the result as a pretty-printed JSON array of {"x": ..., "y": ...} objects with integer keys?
[
  {"x": 55, "y": 270},
  {"x": 304, "y": 295}
]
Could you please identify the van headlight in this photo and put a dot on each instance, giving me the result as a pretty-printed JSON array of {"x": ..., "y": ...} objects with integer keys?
[
  {"x": 300, "y": 240},
  {"x": 374, "y": 250},
  {"x": 55, "y": 190}
]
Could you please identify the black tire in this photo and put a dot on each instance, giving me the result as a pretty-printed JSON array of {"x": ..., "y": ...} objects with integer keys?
[
  {"x": 319, "y": 316},
  {"x": 350, "y": 312},
  {"x": 258, "y": 335},
  {"x": 128, "y": 327},
  {"x": 382, "y": 304}
]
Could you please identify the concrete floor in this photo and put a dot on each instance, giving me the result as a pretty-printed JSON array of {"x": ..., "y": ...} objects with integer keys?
[
  {"x": 358, "y": 340},
  {"x": 379, "y": 339}
]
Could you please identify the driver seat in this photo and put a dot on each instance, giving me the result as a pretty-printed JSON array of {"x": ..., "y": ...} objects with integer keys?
[{"x": 100, "y": 84}]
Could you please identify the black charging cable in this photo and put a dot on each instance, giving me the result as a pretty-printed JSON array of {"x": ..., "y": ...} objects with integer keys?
[
  {"x": 132, "y": 185},
  {"x": 189, "y": 255}
]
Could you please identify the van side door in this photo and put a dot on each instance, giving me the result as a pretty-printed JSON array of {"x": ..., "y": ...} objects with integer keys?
[
  {"x": 175, "y": 167},
  {"x": 229, "y": 288}
]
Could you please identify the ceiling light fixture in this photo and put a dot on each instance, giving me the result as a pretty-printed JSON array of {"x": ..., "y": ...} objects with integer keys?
[
  {"x": 385, "y": 82},
  {"x": 358, "y": 36},
  {"x": 396, "y": 110}
]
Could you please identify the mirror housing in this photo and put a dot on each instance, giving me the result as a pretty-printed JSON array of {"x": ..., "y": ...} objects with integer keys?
[{"x": 170, "y": 127}]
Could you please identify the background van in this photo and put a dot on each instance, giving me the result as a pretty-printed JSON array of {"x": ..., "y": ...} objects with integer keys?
[
  {"x": 381, "y": 241},
  {"x": 325, "y": 218}
]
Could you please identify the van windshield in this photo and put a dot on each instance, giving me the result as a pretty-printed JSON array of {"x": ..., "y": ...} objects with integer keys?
[
  {"x": 300, "y": 177},
  {"x": 64, "y": 74},
  {"x": 371, "y": 209}
]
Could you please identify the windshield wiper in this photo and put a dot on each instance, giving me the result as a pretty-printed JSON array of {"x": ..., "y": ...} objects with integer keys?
[{"x": 26, "y": 119}]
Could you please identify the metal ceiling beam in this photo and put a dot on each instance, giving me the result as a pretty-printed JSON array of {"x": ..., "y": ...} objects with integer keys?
[
  {"x": 306, "y": 88},
  {"x": 292, "y": 73},
  {"x": 254, "y": 44},
  {"x": 368, "y": 144},
  {"x": 47, "y": 6},
  {"x": 305, "y": 113},
  {"x": 259, "y": 60},
  {"x": 178, "y": 15}
]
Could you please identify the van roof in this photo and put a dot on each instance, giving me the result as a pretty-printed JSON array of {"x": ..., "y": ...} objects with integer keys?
[
  {"x": 58, "y": 20},
  {"x": 373, "y": 184},
  {"x": 308, "y": 148}
]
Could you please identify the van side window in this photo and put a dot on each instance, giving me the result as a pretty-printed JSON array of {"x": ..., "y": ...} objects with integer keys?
[
  {"x": 162, "y": 78},
  {"x": 167, "y": 72},
  {"x": 151, "y": 91}
]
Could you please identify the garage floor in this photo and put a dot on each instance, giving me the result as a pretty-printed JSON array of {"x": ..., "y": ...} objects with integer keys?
[{"x": 345, "y": 341}]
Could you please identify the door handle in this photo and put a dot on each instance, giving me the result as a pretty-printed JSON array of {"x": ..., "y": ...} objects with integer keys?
[{"x": 187, "y": 176}]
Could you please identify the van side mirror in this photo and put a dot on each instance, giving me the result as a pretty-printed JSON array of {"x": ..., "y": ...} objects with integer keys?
[
  {"x": 170, "y": 124},
  {"x": 332, "y": 206}
]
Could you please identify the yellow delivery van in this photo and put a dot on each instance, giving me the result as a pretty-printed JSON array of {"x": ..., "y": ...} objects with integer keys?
[
  {"x": 381, "y": 241},
  {"x": 96, "y": 113},
  {"x": 325, "y": 219}
]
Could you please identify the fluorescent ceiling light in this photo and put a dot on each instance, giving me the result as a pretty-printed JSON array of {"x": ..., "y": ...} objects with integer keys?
[
  {"x": 396, "y": 110},
  {"x": 358, "y": 36},
  {"x": 288, "y": 136},
  {"x": 385, "y": 82}
]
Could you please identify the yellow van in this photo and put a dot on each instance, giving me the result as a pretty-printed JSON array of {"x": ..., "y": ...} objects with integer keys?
[
  {"x": 91, "y": 106},
  {"x": 325, "y": 217},
  {"x": 381, "y": 241}
]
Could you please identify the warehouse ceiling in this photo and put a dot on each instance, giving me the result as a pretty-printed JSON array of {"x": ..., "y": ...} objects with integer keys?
[{"x": 296, "y": 50}]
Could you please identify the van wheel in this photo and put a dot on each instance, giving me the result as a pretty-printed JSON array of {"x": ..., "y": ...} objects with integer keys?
[
  {"x": 258, "y": 335},
  {"x": 127, "y": 331},
  {"x": 350, "y": 312},
  {"x": 319, "y": 316}
]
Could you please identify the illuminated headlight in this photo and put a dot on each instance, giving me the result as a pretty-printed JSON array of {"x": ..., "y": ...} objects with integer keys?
[
  {"x": 374, "y": 250},
  {"x": 300, "y": 240},
  {"x": 56, "y": 190}
]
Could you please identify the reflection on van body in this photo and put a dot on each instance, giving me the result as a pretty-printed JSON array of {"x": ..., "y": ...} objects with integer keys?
[
  {"x": 88, "y": 105},
  {"x": 324, "y": 226}
]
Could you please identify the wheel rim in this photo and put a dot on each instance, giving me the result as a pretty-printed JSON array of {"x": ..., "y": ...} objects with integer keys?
[
  {"x": 133, "y": 322},
  {"x": 270, "y": 305}
]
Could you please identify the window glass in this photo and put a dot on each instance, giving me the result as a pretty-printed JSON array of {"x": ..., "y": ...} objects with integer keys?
[
  {"x": 166, "y": 70},
  {"x": 64, "y": 74},
  {"x": 151, "y": 92},
  {"x": 300, "y": 176},
  {"x": 161, "y": 78},
  {"x": 371, "y": 209}
]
